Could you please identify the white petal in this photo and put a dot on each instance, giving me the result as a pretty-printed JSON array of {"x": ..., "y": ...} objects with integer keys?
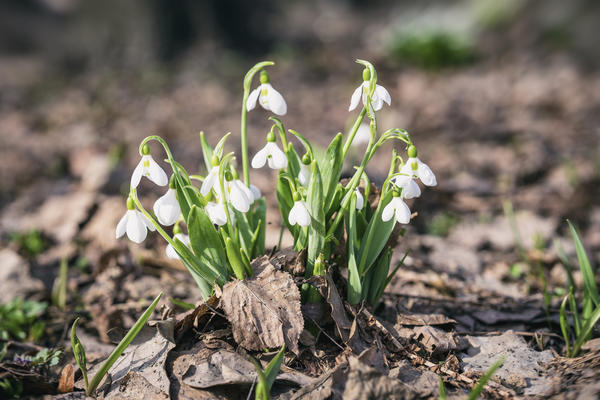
[
  {"x": 278, "y": 160},
  {"x": 171, "y": 252},
  {"x": 247, "y": 191},
  {"x": 411, "y": 190},
  {"x": 304, "y": 175},
  {"x": 355, "y": 98},
  {"x": 238, "y": 198},
  {"x": 146, "y": 221},
  {"x": 167, "y": 208},
  {"x": 388, "y": 211},
  {"x": 426, "y": 174},
  {"x": 137, "y": 174},
  {"x": 260, "y": 158},
  {"x": 216, "y": 213},
  {"x": 136, "y": 227},
  {"x": 363, "y": 135},
  {"x": 299, "y": 214},
  {"x": 402, "y": 212},
  {"x": 209, "y": 181},
  {"x": 251, "y": 102},
  {"x": 122, "y": 226},
  {"x": 255, "y": 192},
  {"x": 276, "y": 101},
  {"x": 402, "y": 180},
  {"x": 383, "y": 94},
  {"x": 377, "y": 103},
  {"x": 360, "y": 201},
  {"x": 155, "y": 173}
]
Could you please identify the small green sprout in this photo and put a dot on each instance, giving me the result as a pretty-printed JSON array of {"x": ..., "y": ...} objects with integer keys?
[
  {"x": 19, "y": 320},
  {"x": 267, "y": 377},
  {"x": 79, "y": 351}
]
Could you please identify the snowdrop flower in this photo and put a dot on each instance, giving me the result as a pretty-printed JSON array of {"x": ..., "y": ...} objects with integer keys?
[
  {"x": 255, "y": 192},
  {"x": 415, "y": 168},
  {"x": 166, "y": 208},
  {"x": 134, "y": 223},
  {"x": 299, "y": 212},
  {"x": 269, "y": 98},
  {"x": 379, "y": 96},
  {"x": 240, "y": 196},
  {"x": 150, "y": 169},
  {"x": 304, "y": 174},
  {"x": 216, "y": 213},
  {"x": 360, "y": 201},
  {"x": 398, "y": 208},
  {"x": 271, "y": 154},
  {"x": 212, "y": 179},
  {"x": 363, "y": 135},
  {"x": 170, "y": 250}
]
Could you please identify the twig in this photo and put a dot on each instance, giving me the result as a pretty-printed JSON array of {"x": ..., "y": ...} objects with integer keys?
[{"x": 325, "y": 333}]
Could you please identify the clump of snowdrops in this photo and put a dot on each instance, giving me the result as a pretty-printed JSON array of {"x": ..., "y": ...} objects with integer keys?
[{"x": 224, "y": 215}]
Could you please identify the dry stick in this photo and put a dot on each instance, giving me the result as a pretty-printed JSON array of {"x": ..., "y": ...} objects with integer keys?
[
  {"x": 489, "y": 387},
  {"x": 325, "y": 333}
]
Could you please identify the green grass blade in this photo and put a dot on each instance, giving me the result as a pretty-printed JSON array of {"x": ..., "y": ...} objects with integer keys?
[
  {"x": 586, "y": 331},
  {"x": 442, "y": 389},
  {"x": 273, "y": 368},
  {"x": 316, "y": 229},
  {"x": 122, "y": 346},
  {"x": 484, "y": 379},
  {"x": 79, "y": 353},
  {"x": 585, "y": 267},
  {"x": 564, "y": 324}
]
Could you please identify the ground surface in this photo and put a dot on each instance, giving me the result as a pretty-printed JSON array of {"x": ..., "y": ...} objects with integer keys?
[{"x": 520, "y": 130}]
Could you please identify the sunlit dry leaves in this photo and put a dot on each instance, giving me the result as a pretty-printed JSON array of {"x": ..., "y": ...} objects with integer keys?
[
  {"x": 67, "y": 379},
  {"x": 135, "y": 386},
  {"x": 264, "y": 310},
  {"x": 424, "y": 319},
  {"x": 437, "y": 341},
  {"x": 191, "y": 318}
]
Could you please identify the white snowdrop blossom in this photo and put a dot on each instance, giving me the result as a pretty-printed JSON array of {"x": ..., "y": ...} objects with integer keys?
[
  {"x": 360, "y": 201},
  {"x": 398, "y": 208},
  {"x": 211, "y": 181},
  {"x": 410, "y": 188},
  {"x": 170, "y": 250},
  {"x": 166, "y": 208},
  {"x": 379, "y": 96},
  {"x": 240, "y": 196},
  {"x": 255, "y": 192},
  {"x": 299, "y": 214},
  {"x": 304, "y": 174},
  {"x": 216, "y": 213},
  {"x": 135, "y": 224},
  {"x": 270, "y": 154},
  {"x": 150, "y": 169},
  {"x": 415, "y": 168},
  {"x": 269, "y": 98},
  {"x": 363, "y": 135}
]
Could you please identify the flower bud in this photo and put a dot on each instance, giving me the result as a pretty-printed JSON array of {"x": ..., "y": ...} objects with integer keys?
[
  {"x": 130, "y": 204},
  {"x": 297, "y": 196},
  {"x": 271, "y": 136},
  {"x": 145, "y": 150},
  {"x": 228, "y": 176},
  {"x": 214, "y": 161},
  {"x": 306, "y": 160}
]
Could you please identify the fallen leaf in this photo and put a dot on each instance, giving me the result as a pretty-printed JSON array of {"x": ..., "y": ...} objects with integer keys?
[
  {"x": 426, "y": 383},
  {"x": 190, "y": 318},
  {"x": 437, "y": 341},
  {"x": 264, "y": 310},
  {"x": 423, "y": 319},
  {"x": 135, "y": 386},
  {"x": 67, "y": 379}
]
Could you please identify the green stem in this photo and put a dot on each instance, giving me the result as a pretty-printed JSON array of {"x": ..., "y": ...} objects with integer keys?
[
  {"x": 159, "y": 229},
  {"x": 355, "y": 127},
  {"x": 244, "y": 134}
]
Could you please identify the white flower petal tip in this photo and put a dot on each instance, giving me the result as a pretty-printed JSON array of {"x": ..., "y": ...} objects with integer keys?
[
  {"x": 304, "y": 175},
  {"x": 135, "y": 224},
  {"x": 423, "y": 172},
  {"x": 269, "y": 99},
  {"x": 150, "y": 169},
  {"x": 355, "y": 97},
  {"x": 170, "y": 250},
  {"x": 167, "y": 209},
  {"x": 271, "y": 155},
  {"x": 240, "y": 196},
  {"x": 426, "y": 175},
  {"x": 216, "y": 213},
  {"x": 299, "y": 214},
  {"x": 211, "y": 180},
  {"x": 396, "y": 208},
  {"x": 380, "y": 96},
  {"x": 255, "y": 192},
  {"x": 360, "y": 201}
]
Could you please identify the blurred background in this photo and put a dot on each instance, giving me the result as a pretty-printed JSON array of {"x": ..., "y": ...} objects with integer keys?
[{"x": 501, "y": 97}]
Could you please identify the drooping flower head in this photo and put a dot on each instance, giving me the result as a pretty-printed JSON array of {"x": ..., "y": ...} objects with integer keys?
[
  {"x": 150, "y": 169},
  {"x": 380, "y": 95},
  {"x": 271, "y": 154},
  {"x": 269, "y": 98},
  {"x": 238, "y": 194},
  {"x": 299, "y": 212},
  {"x": 304, "y": 174},
  {"x": 166, "y": 208},
  {"x": 134, "y": 223},
  {"x": 396, "y": 208},
  {"x": 415, "y": 168},
  {"x": 212, "y": 179},
  {"x": 360, "y": 201},
  {"x": 170, "y": 250}
]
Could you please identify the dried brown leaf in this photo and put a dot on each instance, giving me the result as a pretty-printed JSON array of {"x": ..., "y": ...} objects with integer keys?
[
  {"x": 264, "y": 310},
  {"x": 67, "y": 379},
  {"x": 424, "y": 319}
]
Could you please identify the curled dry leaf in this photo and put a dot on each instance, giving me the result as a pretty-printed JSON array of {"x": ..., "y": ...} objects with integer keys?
[
  {"x": 67, "y": 379},
  {"x": 264, "y": 310}
]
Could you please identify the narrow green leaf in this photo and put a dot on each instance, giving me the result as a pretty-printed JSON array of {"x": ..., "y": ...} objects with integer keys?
[
  {"x": 379, "y": 276},
  {"x": 207, "y": 152},
  {"x": 198, "y": 268},
  {"x": 273, "y": 368},
  {"x": 235, "y": 259},
  {"x": 293, "y": 160},
  {"x": 125, "y": 342},
  {"x": 205, "y": 240},
  {"x": 79, "y": 353},
  {"x": 585, "y": 267},
  {"x": 564, "y": 323},
  {"x": 259, "y": 221},
  {"x": 355, "y": 292},
  {"x": 586, "y": 331},
  {"x": 331, "y": 167},
  {"x": 376, "y": 236},
  {"x": 484, "y": 379},
  {"x": 442, "y": 389},
  {"x": 316, "y": 229}
]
